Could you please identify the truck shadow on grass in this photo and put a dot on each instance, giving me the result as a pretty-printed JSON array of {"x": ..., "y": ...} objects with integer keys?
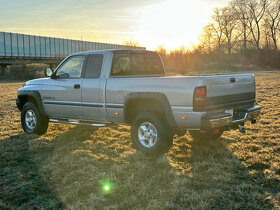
[
  {"x": 21, "y": 184},
  {"x": 219, "y": 179},
  {"x": 194, "y": 174},
  {"x": 214, "y": 177}
]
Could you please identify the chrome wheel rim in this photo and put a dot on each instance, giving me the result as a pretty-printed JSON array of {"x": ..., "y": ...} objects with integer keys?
[
  {"x": 30, "y": 119},
  {"x": 147, "y": 134}
]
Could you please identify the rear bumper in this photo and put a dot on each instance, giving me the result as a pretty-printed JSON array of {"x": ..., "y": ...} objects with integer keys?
[{"x": 225, "y": 119}]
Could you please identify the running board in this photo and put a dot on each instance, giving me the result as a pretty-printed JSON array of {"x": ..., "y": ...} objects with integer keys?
[{"x": 78, "y": 122}]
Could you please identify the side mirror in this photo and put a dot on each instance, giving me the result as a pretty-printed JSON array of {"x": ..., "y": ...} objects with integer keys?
[{"x": 48, "y": 72}]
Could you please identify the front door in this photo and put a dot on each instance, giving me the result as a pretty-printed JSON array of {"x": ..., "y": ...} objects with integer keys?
[
  {"x": 62, "y": 96},
  {"x": 91, "y": 90}
]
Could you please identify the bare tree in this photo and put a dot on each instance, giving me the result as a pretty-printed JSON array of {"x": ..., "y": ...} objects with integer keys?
[
  {"x": 218, "y": 27},
  {"x": 229, "y": 23},
  {"x": 206, "y": 37},
  {"x": 131, "y": 43},
  {"x": 241, "y": 11},
  {"x": 267, "y": 35},
  {"x": 257, "y": 9},
  {"x": 161, "y": 50},
  {"x": 272, "y": 21}
]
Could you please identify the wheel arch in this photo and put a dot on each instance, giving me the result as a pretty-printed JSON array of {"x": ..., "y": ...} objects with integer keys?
[
  {"x": 147, "y": 102},
  {"x": 30, "y": 96}
]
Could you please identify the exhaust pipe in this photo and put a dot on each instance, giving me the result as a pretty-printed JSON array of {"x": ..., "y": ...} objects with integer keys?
[{"x": 242, "y": 129}]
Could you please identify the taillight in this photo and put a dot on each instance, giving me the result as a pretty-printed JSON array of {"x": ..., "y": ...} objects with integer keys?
[{"x": 199, "y": 96}]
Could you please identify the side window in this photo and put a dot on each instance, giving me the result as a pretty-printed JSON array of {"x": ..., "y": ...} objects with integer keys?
[
  {"x": 153, "y": 64},
  {"x": 137, "y": 64},
  {"x": 94, "y": 65},
  {"x": 72, "y": 68},
  {"x": 121, "y": 65}
]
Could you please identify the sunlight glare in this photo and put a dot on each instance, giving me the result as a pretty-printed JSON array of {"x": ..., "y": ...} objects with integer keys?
[{"x": 173, "y": 23}]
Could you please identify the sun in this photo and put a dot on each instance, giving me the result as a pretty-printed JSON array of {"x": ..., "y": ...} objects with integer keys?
[{"x": 172, "y": 23}]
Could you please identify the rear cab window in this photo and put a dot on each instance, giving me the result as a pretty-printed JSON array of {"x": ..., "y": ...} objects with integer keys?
[{"x": 136, "y": 64}]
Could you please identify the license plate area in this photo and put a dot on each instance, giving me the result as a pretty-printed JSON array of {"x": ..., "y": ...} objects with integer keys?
[{"x": 236, "y": 114}]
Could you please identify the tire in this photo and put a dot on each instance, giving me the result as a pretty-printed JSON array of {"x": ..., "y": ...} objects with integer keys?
[
  {"x": 158, "y": 137},
  {"x": 32, "y": 121},
  {"x": 206, "y": 135}
]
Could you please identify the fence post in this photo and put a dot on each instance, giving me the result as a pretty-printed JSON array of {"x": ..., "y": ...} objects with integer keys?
[
  {"x": 4, "y": 44},
  {"x": 11, "y": 44}
]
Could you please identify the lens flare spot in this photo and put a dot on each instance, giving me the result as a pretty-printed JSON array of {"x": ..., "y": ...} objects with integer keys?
[{"x": 107, "y": 186}]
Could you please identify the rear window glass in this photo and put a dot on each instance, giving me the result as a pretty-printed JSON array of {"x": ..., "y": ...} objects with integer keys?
[
  {"x": 136, "y": 63},
  {"x": 94, "y": 65}
]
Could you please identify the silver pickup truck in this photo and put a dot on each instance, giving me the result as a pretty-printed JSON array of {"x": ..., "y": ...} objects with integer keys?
[{"x": 99, "y": 88}]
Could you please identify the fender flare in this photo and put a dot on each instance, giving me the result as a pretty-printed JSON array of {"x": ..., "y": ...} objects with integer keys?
[
  {"x": 30, "y": 93},
  {"x": 160, "y": 97}
]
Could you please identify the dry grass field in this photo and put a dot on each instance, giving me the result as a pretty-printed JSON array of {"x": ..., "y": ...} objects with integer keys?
[{"x": 69, "y": 166}]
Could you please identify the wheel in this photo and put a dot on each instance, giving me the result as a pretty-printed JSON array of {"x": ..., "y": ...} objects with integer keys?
[
  {"x": 150, "y": 134},
  {"x": 206, "y": 135},
  {"x": 32, "y": 121}
]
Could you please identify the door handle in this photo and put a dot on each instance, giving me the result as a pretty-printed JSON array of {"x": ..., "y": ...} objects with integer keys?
[{"x": 77, "y": 86}]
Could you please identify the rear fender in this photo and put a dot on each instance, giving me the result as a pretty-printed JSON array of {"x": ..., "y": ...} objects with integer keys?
[{"x": 159, "y": 97}]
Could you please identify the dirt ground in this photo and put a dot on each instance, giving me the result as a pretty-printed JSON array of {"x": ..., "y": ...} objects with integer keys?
[{"x": 85, "y": 167}]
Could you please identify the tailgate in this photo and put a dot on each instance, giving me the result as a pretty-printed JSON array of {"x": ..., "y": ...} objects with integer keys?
[{"x": 229, "y": 91}]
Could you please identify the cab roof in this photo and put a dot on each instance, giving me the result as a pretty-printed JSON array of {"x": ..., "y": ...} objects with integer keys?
[{"x": 111, "y": 50}]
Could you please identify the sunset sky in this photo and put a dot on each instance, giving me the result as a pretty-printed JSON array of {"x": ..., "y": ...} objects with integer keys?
[{"x": 171, "y": 23}]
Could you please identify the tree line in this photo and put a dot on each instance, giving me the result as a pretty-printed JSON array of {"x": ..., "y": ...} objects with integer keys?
[
  {"x": 244, "y": 32},
  {"x": 243, "y": 25}
]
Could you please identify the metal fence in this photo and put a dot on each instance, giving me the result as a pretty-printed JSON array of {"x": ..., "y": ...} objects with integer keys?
[{"x": 21, "y": 45}]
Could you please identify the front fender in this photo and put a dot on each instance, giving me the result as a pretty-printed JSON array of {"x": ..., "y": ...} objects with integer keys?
[{"x": 25, "y": 95}]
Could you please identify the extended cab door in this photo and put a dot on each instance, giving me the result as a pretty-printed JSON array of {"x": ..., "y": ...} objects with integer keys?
[
  {"x": 131, "y": 71},
  {"x": 91, "y": 88},
  {"x": 62, "y": 94}
]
